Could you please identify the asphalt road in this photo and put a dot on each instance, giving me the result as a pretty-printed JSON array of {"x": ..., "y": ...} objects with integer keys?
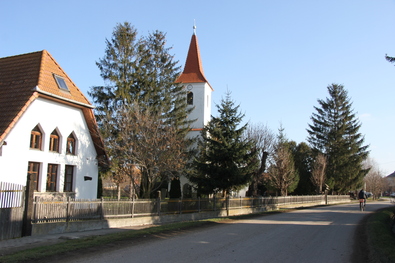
[{"x": 321, "y": 234}]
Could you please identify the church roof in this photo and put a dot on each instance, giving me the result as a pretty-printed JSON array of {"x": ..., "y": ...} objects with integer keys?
[
  {"x": 25, "y": 77},
  {"x": 193, "y": 71}
]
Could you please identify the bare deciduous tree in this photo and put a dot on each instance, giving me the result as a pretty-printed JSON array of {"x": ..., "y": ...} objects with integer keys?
[
  {"x": 264, "y": 140},
  {"x": 318, "y": 172},
  {"x": 139, "y": 138},
  {"x": 118, "y": 179},
  {"x": 374, "y": 181},
  {"x": 282, "y": 174}
]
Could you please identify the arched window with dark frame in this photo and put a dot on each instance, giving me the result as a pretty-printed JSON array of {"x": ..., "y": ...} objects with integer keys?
[
  {"x": 54, "y": 141},
  {"x": 190, "y": 98},
  {"x": 36, "y": 138},
  {"x": 71, "y": 144}
]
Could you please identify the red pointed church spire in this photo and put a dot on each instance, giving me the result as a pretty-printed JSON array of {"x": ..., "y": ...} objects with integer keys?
[{"x": 193, "y": 71}]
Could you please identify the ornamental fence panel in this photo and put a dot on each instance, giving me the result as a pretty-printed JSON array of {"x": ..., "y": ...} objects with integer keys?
[
  {"x": 76, "y": 209},
  {"x": 12, "y": 205}
]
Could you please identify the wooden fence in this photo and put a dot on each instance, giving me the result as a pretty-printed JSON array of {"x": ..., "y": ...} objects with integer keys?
[
  {"x": 11, "y": 210},
  {"x": 77, "y": 209}
]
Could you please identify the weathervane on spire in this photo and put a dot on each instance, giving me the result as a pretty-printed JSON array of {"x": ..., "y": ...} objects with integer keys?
[{"x": 194, "y": 27}]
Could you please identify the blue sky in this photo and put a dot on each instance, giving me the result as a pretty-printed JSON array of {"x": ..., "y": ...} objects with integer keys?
[{"x": 276, "y": 57}]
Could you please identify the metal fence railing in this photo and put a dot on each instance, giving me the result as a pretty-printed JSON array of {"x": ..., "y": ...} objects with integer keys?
[{"x": 77, "y": 209}]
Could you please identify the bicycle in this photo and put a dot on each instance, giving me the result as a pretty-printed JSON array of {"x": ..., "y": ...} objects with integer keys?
[{"x": 362, "y": 203}]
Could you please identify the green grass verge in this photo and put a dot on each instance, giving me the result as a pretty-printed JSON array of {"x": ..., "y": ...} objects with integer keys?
[{"x": 381, "y": 239}]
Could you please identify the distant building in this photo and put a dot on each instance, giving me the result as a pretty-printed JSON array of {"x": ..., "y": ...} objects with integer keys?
[
  {"x": 390, "y": 183},
  {"x": 47, "y": 129}
]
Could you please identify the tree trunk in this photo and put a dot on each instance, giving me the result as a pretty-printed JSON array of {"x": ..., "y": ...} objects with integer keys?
[
  {"x": 131, "y": 189},
  {"x": 118, "y": 191},
  {"x": 146, "y": 185}
]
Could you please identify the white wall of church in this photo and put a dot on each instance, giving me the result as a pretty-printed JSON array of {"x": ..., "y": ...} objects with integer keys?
[
  {"x": 50, "y": 115},
  {"x": 202, "y": 104},
  {"x": 201, "y": 113}
]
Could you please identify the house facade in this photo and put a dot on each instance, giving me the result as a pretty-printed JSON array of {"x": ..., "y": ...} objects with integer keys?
[{"x": 48, "y": 132}]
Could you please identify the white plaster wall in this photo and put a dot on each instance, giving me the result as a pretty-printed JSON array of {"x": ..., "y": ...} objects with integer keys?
[
  {"x": 201, "y": 112},
  {"x": 202, "y": 104},
  {"x": 207, "y": 105},
  {"x": 50, "y": 115}
]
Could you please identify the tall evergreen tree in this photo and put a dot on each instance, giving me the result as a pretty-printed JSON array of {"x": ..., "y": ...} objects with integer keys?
[
  {"x": 175, "y": 188},
  {"x": 302, "y": 157},
  {"x": 140, "y": 69},
  {"x": 139, "y": 73},
  {"x": 226, "y": 160},
  {"x": 335, "y": 133}
]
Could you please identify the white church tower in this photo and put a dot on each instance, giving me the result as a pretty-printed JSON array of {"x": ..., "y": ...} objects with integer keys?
[
  {"x": 198, "y": 96},
  {"x": 197, "y": 87}
]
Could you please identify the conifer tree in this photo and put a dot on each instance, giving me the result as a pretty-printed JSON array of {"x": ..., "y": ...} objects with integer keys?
[
  {"x": 226, "y": 160},
  {"x": 334, "y": 132},
  {"x": 139, "y": 73},
  {"x": 140, "y": 69},
  {"x": 303, "y": 158},
  {"x": 175, "y": 188}
]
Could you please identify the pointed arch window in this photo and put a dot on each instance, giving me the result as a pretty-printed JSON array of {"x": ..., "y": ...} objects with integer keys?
[
  {"x": 190, "y": 98},
  {"x": 54, "y": 141},
  {"x": 71, "y": 144},
  {"x": 36, "y": 138}
]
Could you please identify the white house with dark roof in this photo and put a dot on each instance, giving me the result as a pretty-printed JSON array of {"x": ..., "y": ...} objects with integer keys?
[{"x": 47, "y": 129}]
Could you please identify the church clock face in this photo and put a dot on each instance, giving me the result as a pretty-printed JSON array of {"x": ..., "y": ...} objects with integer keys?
[{"x": 189, "y": 87}]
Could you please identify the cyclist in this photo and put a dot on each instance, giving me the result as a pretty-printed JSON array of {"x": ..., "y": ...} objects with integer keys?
[{"x": 362, "y": 195}]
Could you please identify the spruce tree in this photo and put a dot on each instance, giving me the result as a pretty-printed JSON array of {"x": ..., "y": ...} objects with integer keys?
[
  {"x": 140, "y": 69},
  {"x": 226, "y": 159},
  {"x": 334, "y": 132},
  {"x": 175, "y": 188},
  {"x": 139, "y": 73},
  {"x": 118, "y": 69},
  {"x": 302, "y": 157}
]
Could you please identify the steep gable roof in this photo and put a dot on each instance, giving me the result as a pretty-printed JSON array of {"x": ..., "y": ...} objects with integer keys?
[
  {"x": 25, "y": 77},
  {"x": 193, "y": 70}
]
